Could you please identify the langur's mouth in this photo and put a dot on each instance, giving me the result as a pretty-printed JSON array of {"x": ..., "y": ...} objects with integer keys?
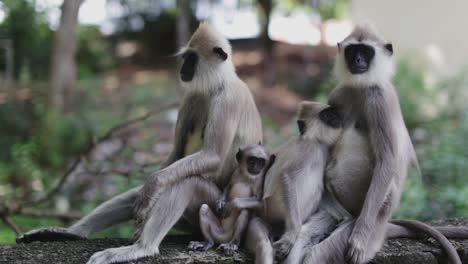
[
  {"x": 358, "y": 70},
  {"x": 186, "y": 77}
]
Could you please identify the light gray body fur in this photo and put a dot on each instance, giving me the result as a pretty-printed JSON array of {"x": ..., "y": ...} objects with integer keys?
[
  {"x": 369, "y": 163},
  {"x": 217, "y": 107},
  {"x": 228, "y": 229},
  {"x": 293, "y": 190}
]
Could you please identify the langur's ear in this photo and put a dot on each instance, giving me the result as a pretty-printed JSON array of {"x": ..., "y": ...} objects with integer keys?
[
  {"x": 389, "y": 48},
  {"x": 302, "y": 126},
  {"x": 220, "y": 52},
  {"x": 331, "y": 117},
  {"x": 239, "y": 155}
]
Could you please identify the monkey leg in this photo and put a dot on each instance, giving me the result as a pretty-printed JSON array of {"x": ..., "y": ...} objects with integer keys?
[
  {"x": 174, "y": 201},
  {"x": 316, "y": 228},
  {"x": 239, "y": 229},
  {"x": 258, "y": 241},
  {"x": 211, "y": 229},
  {"x": 111, "y": 212},
  {"x": 332, "y": 249}
]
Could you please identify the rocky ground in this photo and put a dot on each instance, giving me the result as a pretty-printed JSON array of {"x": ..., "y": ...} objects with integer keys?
[{"x": 173, "y": 250}]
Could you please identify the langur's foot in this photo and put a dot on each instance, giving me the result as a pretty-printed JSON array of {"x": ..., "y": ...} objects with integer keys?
[
  {"x": 356, "y": 251},
  {"x": 200, "y": 245},
  {"x": 48, "y": 234},
  {"x": 122, "y": 254},
  {"x": 229, "y": 249},
  {"x": 282, "y": 248}
]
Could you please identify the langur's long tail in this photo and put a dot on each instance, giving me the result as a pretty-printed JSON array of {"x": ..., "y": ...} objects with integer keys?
[{"x": 404, "y": 228}]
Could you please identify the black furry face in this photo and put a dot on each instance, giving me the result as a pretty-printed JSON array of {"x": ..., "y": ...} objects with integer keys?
[
  {"x": 358, "y": 57},
  {"x": 302, "y": 126},
  {"x": 255, "y": 165},
  {"x": 189, "y": 64},
  {"x": 331, "y": 117}
]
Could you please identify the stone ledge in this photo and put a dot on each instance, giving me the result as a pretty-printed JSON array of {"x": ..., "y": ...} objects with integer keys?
[{"x": 173, "y": 250}]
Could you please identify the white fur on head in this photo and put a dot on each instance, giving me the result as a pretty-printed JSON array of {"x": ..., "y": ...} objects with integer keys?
[
  {"x": 381, "y": 68},
  {"x": 211, "y": 71}
]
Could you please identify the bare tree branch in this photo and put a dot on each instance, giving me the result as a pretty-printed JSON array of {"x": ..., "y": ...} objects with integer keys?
[
  {"x": 49, "y": 214},
  {"x": 9, "y": 223},
  {"x": 113, "y": 132}
]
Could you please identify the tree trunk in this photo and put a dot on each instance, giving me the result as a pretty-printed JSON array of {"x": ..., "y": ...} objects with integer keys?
[
  {"x": 267, "y": 7},
  {"x": 63, "y": 65},
  {"x": 183, "y": 22},
  {"x": 268, "y": 59}
]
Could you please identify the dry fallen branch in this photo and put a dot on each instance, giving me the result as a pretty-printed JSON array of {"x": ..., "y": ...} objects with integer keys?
[
  {"x": 113, "y": 132},
  {"x": 9, "y": 223},
  {"x": 19, "y": 209},
  {"x": 49, "y": 213}
]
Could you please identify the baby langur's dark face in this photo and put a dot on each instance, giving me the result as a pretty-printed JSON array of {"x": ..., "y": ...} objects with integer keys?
[{"x": 253, "y": 163}]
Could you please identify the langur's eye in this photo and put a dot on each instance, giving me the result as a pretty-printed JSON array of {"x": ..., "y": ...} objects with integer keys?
[{"x": 254, "y": 161}]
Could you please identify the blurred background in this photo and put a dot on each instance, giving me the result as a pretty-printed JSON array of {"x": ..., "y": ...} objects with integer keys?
[{"x": 89, "y": 92}]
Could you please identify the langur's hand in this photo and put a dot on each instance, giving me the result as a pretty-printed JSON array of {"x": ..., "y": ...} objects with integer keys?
[
  {"x": 234, "y": 204},
  {"x": 357, "y": 244}
]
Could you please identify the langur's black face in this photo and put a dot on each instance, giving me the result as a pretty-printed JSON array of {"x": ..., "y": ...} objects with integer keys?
[
  {"x": 191, "y": 59},
  {"x": 358, "y": 57},
  {"x": 189, "y": 65},
  {"x": 254, "y": 164}
]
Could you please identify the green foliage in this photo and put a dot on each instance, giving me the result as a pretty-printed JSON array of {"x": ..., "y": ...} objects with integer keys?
[
  {"x": 442, "y": 154},
  {"x": 36, "y": 144},
  {"x": 31, "y": 36},
  {"x": 33, "y": 40},
  {"x": 334, "y": 9},
  {"x": 412, "y": 92},
  {"x": 94, "y": 55}
]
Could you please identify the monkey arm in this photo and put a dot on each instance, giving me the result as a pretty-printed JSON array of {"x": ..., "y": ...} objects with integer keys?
[
  {"x": 244, "y": 203},
  {"x": 379, "y": 112},
  {"x": 219, "y": 135},
  {"x": 181, "y": 135}
]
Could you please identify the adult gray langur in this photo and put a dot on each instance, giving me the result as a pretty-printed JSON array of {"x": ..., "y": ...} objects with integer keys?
[
  {"x": 294, "y": 187},
  {"x": 369, "y": 163},
  {"x": 217, "y": 116}
]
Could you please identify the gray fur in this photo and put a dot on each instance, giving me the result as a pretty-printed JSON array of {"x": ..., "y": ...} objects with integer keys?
[
  {"x": 293, "y": 190},
  {"x": 369, "y": 163},
  {"x": 217, "y": 107},
  {"x": 242, "y": 194}
]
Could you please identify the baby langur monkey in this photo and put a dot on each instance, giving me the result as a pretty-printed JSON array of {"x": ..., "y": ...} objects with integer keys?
[
  {"x": 294, "y": 184},
  {"x": 246, "y": 184}
]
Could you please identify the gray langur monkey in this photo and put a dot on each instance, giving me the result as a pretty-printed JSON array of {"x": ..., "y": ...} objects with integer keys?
[
  {"x": 217, "y": 116},
  {"x": 294, "y": 185},
  {"x": 369, "y": 163},
  {"x": 246, "y": 183}
]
